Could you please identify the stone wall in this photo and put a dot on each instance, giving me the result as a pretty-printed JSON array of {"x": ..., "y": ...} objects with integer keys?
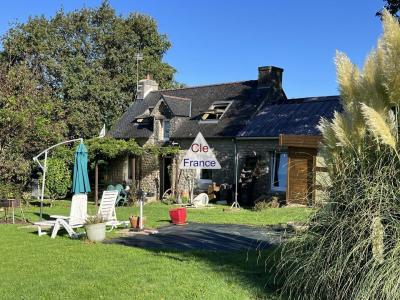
[
  {"x": 150, "y": 174},
  {"x": 224, "y": 149},
  {"x": 261, "y": 149}
]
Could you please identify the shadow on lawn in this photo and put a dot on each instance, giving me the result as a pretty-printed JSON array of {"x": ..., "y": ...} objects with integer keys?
[
  {"x": 37, "y": 204},
  {"x": 245, "y": 258},
  {"x": 251, "y": 269}
]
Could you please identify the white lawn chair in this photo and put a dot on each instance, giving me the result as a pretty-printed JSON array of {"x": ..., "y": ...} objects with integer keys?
[
  {"x": 200, "y": 200},
  {"x": 76, "y": 219},
  {"x": 107, "y": 209}
]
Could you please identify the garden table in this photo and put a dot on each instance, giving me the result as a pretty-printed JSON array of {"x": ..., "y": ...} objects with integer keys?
[{"x": 11, "y": 203}]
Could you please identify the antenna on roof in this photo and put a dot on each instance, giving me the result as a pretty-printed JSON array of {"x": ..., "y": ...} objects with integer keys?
[{"x": 138, "y": 57}]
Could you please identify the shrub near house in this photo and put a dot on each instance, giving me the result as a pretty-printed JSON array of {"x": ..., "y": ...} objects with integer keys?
[{"x": 58, "y": 179}]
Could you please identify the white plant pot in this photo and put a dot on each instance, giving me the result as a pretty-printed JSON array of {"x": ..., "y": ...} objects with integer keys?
[{"x": 96, "y": 232}]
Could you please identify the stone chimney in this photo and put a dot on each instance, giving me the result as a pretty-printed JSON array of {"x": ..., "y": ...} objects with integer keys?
[
  {"x": 145, "y": 87},
  {"x": 268, "y": 75}
]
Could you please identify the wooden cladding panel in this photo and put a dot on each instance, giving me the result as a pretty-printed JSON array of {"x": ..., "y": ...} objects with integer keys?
[
  {"x": 302, "y": 141},
  {"x": 301, "y": 164}
]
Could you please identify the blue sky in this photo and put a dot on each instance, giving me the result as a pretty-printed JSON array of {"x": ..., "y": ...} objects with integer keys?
[{"x": 222, "y": 41}]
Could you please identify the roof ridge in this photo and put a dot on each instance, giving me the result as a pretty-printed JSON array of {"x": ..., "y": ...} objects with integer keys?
[
  {"x": 317, "y": 98},
  {"x": 205, "y": 85},
  {"x": 183, "y": 98}
]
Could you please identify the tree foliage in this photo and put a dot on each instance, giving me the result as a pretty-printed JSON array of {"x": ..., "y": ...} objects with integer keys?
[
  {"x": 352, "y": 249},
  {"x": 29, "y": 121},
  {"x": 103, "y": 149},
  {"x": 86, "y": 58},
  {"x": 108, "y": 148},
  {"x": 63, "y": 77}
]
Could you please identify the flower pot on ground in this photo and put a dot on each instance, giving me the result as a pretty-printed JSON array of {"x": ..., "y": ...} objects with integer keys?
[
  {"x": 95, "y": 227},
  {"x": 178, "y": 216},
  {"x": 135, "y": 221}
]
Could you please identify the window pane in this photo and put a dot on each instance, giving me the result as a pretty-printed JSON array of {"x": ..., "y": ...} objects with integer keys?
[
  {"x": 205, "y": 174},
  {"x": 282, "y": 171},
  {"x": 215, "y": 111},
  {"x": 167, "y": 128},
  {"x": 279, "y": 178}
]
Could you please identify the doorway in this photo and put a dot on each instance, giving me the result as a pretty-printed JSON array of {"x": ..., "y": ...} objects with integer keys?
[
  {"x": 165, "y": 177},
  {"x": 300, "y": 176}
]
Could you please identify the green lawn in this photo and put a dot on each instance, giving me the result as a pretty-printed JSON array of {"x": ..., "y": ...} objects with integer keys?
[
  {"x": 38, "y": 267},
  {"x": 157, "y": 214}
]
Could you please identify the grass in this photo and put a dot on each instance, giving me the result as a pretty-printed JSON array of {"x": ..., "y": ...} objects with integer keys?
[
  {"x": 157, "y": 214},
  {"x": 34, "y": 267}
]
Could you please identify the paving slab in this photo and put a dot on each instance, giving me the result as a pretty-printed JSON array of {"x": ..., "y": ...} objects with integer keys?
[{"x": 196, "y": 236}]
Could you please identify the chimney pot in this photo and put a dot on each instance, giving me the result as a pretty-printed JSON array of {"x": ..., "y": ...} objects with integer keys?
[{"x": 270, "y": 75}]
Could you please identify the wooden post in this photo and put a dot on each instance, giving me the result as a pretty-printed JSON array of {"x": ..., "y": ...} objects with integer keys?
[
  {"x": 133, "y": 169},
  {"x": 96, "y": 184}
]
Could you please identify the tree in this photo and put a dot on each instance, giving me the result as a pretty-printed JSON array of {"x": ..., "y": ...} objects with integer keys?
[
  {"x": 86, "y": 57},
  {"x": 29, "y": 120},
  {"x": 351, "y": 250}
]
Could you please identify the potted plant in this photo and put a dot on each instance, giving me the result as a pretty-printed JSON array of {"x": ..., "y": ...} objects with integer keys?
[
  {"x": 95, "y": 227},
  {"x": 135, "y": 221}
]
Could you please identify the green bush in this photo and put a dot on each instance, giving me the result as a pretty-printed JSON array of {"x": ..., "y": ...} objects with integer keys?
[
  {"x": 170, "y": 200},
  {"x": 58, "y": 179},
  {"x": 9, "y": 191},
  {"x": 185, "y": 199}
]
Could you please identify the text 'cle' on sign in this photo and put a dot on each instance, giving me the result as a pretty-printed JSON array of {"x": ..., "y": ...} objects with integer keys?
[{"x": 199, "y": 156}]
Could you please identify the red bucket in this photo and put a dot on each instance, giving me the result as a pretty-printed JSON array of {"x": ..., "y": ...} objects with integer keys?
[{"x": 178, "y": 215}]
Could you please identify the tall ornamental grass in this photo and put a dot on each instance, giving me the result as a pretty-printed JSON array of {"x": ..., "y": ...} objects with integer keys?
[{"x": 352, "y": 247}]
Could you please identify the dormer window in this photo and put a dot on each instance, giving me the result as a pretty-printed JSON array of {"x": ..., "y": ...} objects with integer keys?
[{"x": 215, "y": 111}]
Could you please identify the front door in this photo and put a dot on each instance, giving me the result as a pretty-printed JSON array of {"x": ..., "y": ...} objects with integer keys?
[
  {"x": 300, "y": 176},
  {"x": 166, "y": 164}
]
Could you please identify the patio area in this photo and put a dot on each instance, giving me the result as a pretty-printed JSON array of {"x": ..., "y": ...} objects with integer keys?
[{"x": 197, "y": 236}]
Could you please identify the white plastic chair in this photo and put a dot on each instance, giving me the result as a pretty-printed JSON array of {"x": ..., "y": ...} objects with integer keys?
[
  {"x": 107, "y": 209},
  {"x": 76, "y": 219},
  {"x": 201, "y": 200}
]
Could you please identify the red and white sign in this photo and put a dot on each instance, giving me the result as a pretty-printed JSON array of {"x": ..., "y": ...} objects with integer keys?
[{"x": 199, "y": 156}]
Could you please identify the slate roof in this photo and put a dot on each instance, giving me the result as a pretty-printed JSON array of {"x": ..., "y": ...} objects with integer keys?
[
  {"x": 246, "y": 98},
  {"x": 294, "y": 116},
  {"x": 125, "y": 127},
  {"x": 180, "y": 107}
]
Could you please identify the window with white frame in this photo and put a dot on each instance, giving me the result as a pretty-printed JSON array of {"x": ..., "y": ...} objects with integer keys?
[
  {"x": 279, "y": 168},
  {"x": 215, "y": 111},
  {"x": 166, "y": 129}
]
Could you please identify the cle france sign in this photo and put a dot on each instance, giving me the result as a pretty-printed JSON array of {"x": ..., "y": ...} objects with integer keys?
[{"x": 199, "y": 156}]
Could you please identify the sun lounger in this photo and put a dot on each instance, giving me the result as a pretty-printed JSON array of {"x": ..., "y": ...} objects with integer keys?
[
  {"x": 107, "y": 209},
  {"x": 76, "y": 219}
]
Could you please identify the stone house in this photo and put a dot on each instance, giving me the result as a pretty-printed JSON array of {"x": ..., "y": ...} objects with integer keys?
[{"x": 251, "y": 126}]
